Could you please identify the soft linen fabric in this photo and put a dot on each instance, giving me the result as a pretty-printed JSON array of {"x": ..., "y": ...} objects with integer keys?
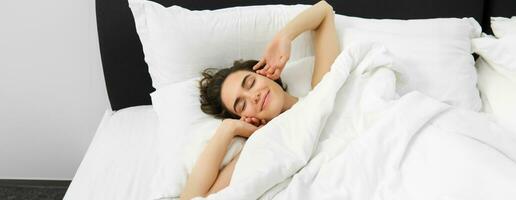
[
  {"x": 185, "y": 129},
  {"x": 297, "y": 75},
  {"x": 498, "y": 52},
  {"x": 497, "y": 77},
  {"x": 178, "y": 43},
  {"x": 433, "y": 55},
  {"x": 503, "y": 26},
  {"x": 121, "y": 159},
  {"x": 270, "y": 154},
  {"x": 408, "y": 147}
]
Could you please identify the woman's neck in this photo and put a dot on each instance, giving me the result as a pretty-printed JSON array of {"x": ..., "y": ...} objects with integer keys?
[{"x": 289, "y": 101}]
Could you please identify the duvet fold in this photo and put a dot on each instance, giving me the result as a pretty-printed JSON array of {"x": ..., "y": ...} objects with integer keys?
[{"x": 354, "y": 137}]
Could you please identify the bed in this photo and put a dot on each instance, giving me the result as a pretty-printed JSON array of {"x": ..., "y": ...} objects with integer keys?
[
  {"x": 125, "y": 154},
  {"x": 122, "y": 158}
]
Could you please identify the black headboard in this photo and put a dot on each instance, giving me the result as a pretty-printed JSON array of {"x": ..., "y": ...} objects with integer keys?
[{"x": 127, "y": 79}]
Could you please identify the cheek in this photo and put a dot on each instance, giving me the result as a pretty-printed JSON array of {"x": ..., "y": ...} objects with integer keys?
[
  {"x": 251, "y": 111},
  {"x": 275, "y": 102}
]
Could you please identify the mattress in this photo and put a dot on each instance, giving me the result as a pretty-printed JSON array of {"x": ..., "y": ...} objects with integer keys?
[{"x": 121, "y": 159}]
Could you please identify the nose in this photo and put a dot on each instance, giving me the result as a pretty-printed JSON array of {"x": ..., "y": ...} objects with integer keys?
[{"x": 255, "y": 97}]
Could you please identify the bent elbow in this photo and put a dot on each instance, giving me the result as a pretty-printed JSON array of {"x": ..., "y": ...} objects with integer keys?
[{"x": 328, "y": 6}]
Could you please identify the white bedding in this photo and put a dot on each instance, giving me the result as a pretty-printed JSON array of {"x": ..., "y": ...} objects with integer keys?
[
  {"x": 121, "y": 159},
  {"x": 409, "y": 147}
]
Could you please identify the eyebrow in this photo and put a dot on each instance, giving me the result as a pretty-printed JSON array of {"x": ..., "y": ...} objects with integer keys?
[{"x": 242, "y": 85}]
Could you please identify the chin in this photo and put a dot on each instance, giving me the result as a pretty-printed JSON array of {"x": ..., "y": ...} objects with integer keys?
[{"x": 275, "y": 112}]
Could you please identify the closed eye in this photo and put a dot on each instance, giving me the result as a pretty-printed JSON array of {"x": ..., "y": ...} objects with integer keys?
[
  {"x": 244, "y": 106},
  {"x": 252, "y": 84}
]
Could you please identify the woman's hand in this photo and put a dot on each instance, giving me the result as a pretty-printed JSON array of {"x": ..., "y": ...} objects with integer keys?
[
  {"x": 275, "y": 57},
  {"x": 243, "y": 128},
  {"x": 254, "y": 121}
]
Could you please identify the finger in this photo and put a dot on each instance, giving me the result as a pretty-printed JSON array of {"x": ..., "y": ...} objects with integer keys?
[
  {"x": 251, "y": 120},
  {"x": 263, "y": 121},
  {"x": 259, "y": 64},
  {"x": 255, "y": 120},
  {"x": 271, "y": 69},
  {"x": 267, "y": 66},
  {"x": 271, "y": 76},
  {"x": 262, "y": 72},
  {"x": 276, "y": 74}
]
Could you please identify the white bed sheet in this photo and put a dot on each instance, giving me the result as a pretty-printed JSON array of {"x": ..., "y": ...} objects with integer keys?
[{"x": 121, "y": 159}]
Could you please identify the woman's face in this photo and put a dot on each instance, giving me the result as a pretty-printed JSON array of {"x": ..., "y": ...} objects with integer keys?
[{"x": 256, "y": 96}]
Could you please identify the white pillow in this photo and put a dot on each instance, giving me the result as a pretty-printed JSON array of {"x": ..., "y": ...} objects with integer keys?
[
  {"x": 500, "y": 53},
  {"x": 298, "y": 76},
  {"x": 176, "y": 113},
  {"x": 497, "y": 77},
  {"x": 432, "y": 55},
  {"x": 185, "y": 129},
  {"x": 503, "y": 26},
  {"x": 433, "y": 27},
  {"x": 178, "y": 43}
]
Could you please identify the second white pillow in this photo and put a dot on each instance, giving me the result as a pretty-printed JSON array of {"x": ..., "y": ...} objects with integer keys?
[
  {"x": 503, "y": 26},
  {"x": 432, "y": 55},
  {"x": 497, "y": 77}
]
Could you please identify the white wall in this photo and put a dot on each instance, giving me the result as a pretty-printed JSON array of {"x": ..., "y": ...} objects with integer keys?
[{"x": 52, "y": 90}]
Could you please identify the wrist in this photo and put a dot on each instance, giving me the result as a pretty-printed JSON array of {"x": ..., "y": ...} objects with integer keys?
[
  {"x": 229, "y": 127},
  {"x": 285, "y": 33}
]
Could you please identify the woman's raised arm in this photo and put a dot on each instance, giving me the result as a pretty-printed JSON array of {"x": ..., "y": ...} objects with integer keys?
[
  {"x": 327, "y": 47},
  {"x": 320, "y": 18}
]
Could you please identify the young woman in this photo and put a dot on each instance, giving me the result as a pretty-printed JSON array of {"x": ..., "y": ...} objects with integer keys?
[{"x": 249, "y": 94}]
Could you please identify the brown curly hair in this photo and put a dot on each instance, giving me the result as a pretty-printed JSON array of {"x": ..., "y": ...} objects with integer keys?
[{"x": 211, "y": 85}]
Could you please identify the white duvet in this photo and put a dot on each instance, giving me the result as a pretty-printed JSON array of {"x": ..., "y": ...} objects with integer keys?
[{"x": 353, "y": 137}]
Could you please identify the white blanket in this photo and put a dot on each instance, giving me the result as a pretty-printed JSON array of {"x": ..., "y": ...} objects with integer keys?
[{"x": 353, "y": 137}]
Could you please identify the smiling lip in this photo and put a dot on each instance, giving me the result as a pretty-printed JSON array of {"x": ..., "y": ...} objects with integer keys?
[{"x": 265, "y": 98}]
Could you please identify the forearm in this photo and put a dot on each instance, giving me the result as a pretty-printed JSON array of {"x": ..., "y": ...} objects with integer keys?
[
  {"x": 309, "y": 19},
  {"x": 224, "y": 177},
  {"x": 206, "y": 168},
  {"x": 327, "y": 48}
]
